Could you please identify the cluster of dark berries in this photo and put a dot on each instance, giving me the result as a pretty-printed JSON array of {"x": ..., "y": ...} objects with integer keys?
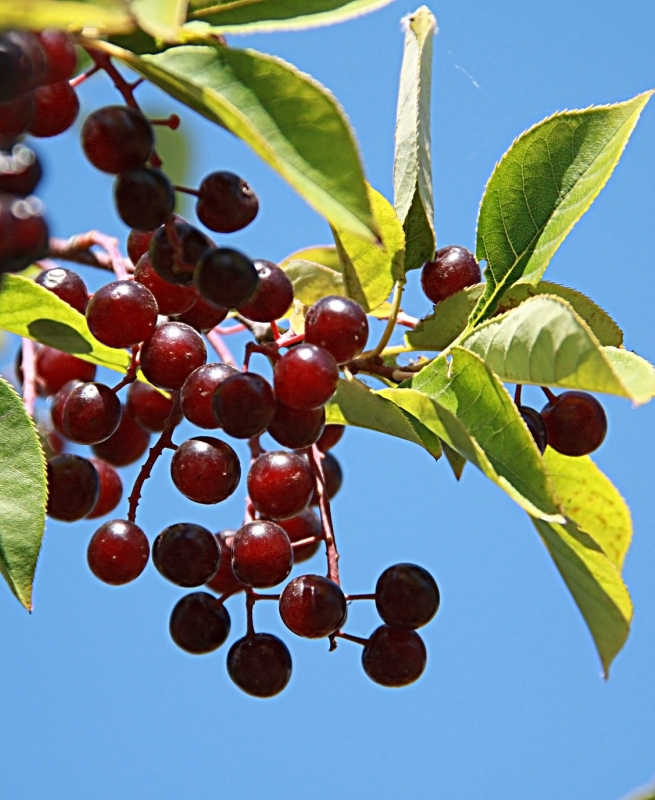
[
  {"x": 36, "y": 98},
  {"x": 573, "y": 423}
]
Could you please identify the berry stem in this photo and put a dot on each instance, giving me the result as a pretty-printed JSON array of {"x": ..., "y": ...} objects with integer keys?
[
  {"x": 315, "y": 457},
  {"x": 79, "y": 79},
  {"x": 257, "y": 597},
  {"x": 350, "y": 638},
  {"x": 391, "y": 321},
  {"x": 275, "y": 331},
  {"x": 551, "y": 397},
  {"x": 223, "y": 351},
  {"x": 373, "y": 366},
  {"x": 231, "y": 329},
  {"x": 517, "y": 394},
  {"x": 172, "y": 122},
  {"x": 250, "y": 604},
  {"x": 289, "y": 338},
  {"x": 130, "y": 375},
  {"x": 165, "y": 440},
  {"x": 308, "y": 540},
  {"x": 78, "y": 250},
  {"x": 29, "y": 375},
  {"x": 186, "y": 189},
  {"x": 360, "y": 596},
  {"x": 269, "y": 350}
]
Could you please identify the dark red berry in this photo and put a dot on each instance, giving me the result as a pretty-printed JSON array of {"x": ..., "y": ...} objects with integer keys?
[
  {"x": 15, "y": 118},
  {"x": 259, "y": 664},
  {"x": 536, "y": 426},
  {"x": 60, "y": 55},
  {"x": 198, "y": 390},
  {"x": 171, "y": 298},
  {"x": 67, "y": 285},
  {"x": 175, "y": 250},
  {"x": 244, "y": 404},
  {"x": 117, "y": 138},
  {"x": 225, "y": 580},
  {"x": 29, "y": 44},
  {"x": 122, "y": 314},
  {"x": 453, "y": 269},
  {"x": 303, "y": 526},
  {"x": 280, "y": 484},
  {"x": 575, "y": 423},
  {"x": 225, "y": 277},
  {"x": 138, "y": 243},
  {"x": 171, "y": 354},
  {"x": 261, "y": 554},
  {"x": 55, "y": 368},
  {"x": 331, "y": 435},
  {"x": 273, "y": 296},
  {"x": 199, "y": 623},
  {"x": 91, "y": 413},
  {"x": 296, "y": 427},
  {"x": 394, "y": 656},
  {"x": 406, "y": 596},
  {"x": 126, "y": 445},
  {"x": 148, "y": 406},
  {"x": 73, "y": 487},
  {"x": 186, "y": 554},
  {"x": 111, "y": 489},
  {"x": 58, "y": 403},
  {"x": 313, "y": 606},
  {"x": 202, "y": 317},
  {"x": 333, "y": 475},
  {"x": 55, "y": 109},
  {"x": 51, "y": 442},
  {"x": 118, "y": 552},
  {"x": 144, "y": 198},
  {"x": 205, "y": 469},
  {"x": 16, "y": 70},
  {"x": 305, "y": 377},
  {"x": 24, "y": 236},
  {"x": 226, "y": 203},
  {"x": 338, "y": 325}
]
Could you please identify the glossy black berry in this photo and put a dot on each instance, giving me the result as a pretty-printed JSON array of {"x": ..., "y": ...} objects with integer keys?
[
  {"x": 453, "y": 269},
  {"x": 144, "y": 198},
  {"x": 394, "y": 657},
  {"x": 406, "y": 596},
  {"x": 117, "y": 138},
  {"x": 24, "y": 235},
  {"x": 73, "y": 487},
  {"x": 225, "y": 277},
  {"x": 226, "y": 203},
  {"x": 171, "y": 298},
  {"x": 536, "y": 426},
  {"x": 575, "y": 422},
  {"x": 187, "y": 554},
  {"x": 259, "y": 664},
  {"x": 273, "y": 296},
  {"x": 199, "y": 623},
  {"x": 175, "y": 249}
]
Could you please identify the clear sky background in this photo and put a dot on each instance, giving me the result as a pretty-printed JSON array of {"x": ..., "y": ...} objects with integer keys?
[{"x": 97, "y": 703}]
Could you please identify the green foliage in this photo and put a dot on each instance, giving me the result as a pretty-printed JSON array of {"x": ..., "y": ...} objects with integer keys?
[
  {"x": 312, "y": 281},
  {"x": 326, "y": 255},
  {"x": 160, "y": 18},
  {"x": 412, "y": 172},
  {"x": 271, "y": 15},
  {"x": 288, "y": 119},
  {"x": 23, "y": 494},
  {"x": 544, "y": 342},
  {"x": 104, "y": 16},
  {"x": 369, "y": 269},
  {"x": 541, "y": 187}
]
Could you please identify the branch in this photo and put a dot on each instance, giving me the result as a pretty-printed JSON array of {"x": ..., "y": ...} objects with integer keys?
[
  {"x": 375, "y": 366},
  {"x": 391, "y": 322},
  {"x": 28, "y": 366},
  {"x": 216, "y": 341},
  {"x": 315, "y": 457},
  {"x": 78, "y": 250}
]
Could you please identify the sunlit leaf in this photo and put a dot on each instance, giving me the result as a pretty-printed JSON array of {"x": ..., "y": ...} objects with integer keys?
[
  {"x": 160, "y": 18},
  {"x": 326, "y": 255},
  {"x": 313, "y": 281},
  {"x": 106, "y": 16}
]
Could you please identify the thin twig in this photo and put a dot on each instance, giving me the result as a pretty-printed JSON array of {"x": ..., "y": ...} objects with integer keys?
[
  {"x": 315, "y": 458},
  {"x": 130, "y": 375},
  {"x": 517, "y": 394},
  {"x": 28, "y": 365},
  {"x": 356, "y": 639},
  {"x": 78, "y": 250},
  {"x": 223, "y": 351},
  {"x": 374, "y": 366},
  {"x": 360, "y": 597},
  {"x": 391, "y": 322}
]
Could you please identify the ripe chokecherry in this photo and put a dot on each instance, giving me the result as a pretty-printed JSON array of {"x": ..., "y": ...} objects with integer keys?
[
  {"x": 55, "y": 368},
  {"x": 91, "y": 414},
  {"x": 198, "y": 391},
  {"x": 73, "y": 487},
  {"x": 205, "y": 469},
  {"x": 171, "y": 354},
  {"x": 273, "y": 296},
  {"x": 331, "y": 435},
  {"x": 175, "y": 252},
  {"x": 338, "y": 325},
  {"x": 536, "y": 426},
  {"x": 15, "y": 117},
  {"x": 111, "y": 489},
  {"x": 394, "y": 656},
  {"x": 202, "y": 316},
  {"x": 259, "y": 664},
  {"x": 261, "y": 554},
  {"x": 280, "y": 484},
  {"x": 20, "y": 169},
  {"x": 126, "y": 445},
  {"x": 67, "y": 285},
  {"x": 333, "y": 475},
  {"x": 243, "y": 404},
  {"x": 138, "y": 243},
  {"x": 117, "y": 138},
  {"x": 296, "y": 427},
  {"x": 58, "y": 403},
  {"x": 226, "y": 203},
  {"x": 199, "y": 623},
  {"x": 313, "y": 606},
  {"x": 186, "y": 554},
  {"x": 118, "y": 552},
  {"x": 144, "y": 198},
  {"x": 16, "y": 70},
  {"x": 60, "y": 55},
  {"x": 305, "y": 377},
  {"x": 24, "y": 236},
  {"x": 303, "y": 526},
  {"x": 406, "y": 596},
  {"x": 122, "y": 314},
  {"x": 225, "y": 277},
  {"x": 452, "y": 269},
  {"x": 225, "y": 580},
  {"x": 148, "y": 406},
  {"x": 575, "y": 422},
  {"x": 171, "y": 298},
  {"x": 56, "y": 107}
]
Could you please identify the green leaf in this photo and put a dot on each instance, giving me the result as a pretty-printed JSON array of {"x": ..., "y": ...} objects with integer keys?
[
  {"x": 313, "y": 281},
  {"x": 292, "y": 122},
  {"x": 30, "y": 310},
  {"x": 542, "y": 186},
  {"x": 457, "y": 462},
  {"x": 23, "y": 494},
  {"x": 412, "y": 169},
  {"x": 326, "y": 255},
  {"x": 643, "y": 793},
  {"x": 272, "y": 15},
  {"x": 355, "y": 404},
  {"x": 160, "y": 18},
  {"x": 370, "y": 270},
  {"x": 544, "y": 342},
  {"x": 440, "y": 328},
  {"x": 487, "y": 428},
  {"x": 590, "y": 500},
  {"x": 106, "y": 16},
  {"x": 595, "y": 584}
]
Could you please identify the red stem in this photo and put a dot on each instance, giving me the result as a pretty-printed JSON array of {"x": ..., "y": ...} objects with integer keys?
[
  {"x": 78, "y": 250},
  {"x": 517, "y": 394},
  {"x": 269, "y": 350},
  {"x": 231, "y": 329},
  {"x": 130, "y": 375},
  {"x": 356, "y": 639},
  {"x": 186, "y": 190},
  {"x": 289, "y": 338},
  {"x": 29, "y": 375},
  {"x": 250, "y": 604},
  {"x": 315, "y": 457},
  {"x": 223, "y": 351},
  {"x": 308, "y": 540},
  {"x": 172, "y": 122},
  {"x": 551, "y": 397},
  {"x": 360, "y": 596},
  {"x": 79, "y": 79},
  {"x": 164, "y": 441}
]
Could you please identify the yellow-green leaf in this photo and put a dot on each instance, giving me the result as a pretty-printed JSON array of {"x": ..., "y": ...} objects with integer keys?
[
  {"x": 107, "y": 16},
  {"x": 160, "y": 18},
  {"x": 325, "y": 255},
  {"x": 313, "y": 281}
]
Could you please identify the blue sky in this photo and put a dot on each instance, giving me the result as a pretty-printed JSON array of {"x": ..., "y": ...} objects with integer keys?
[{"x": 97, "y": 703}]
